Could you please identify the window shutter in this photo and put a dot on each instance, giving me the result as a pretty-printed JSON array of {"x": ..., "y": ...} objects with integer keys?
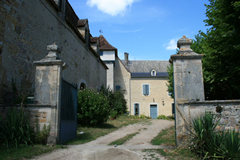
[{"x": 147, "y": 89}]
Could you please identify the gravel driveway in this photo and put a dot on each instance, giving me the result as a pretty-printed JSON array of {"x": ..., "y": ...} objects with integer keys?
[{"x": 100, "y": 150}]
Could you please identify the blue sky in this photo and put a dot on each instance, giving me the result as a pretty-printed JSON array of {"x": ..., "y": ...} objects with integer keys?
[{"x": 146, "y": 29}]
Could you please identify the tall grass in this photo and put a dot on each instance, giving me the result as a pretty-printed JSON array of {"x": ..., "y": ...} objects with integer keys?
[
  {"x": 212, "y": 144},
  {"x": 15, "y": 129}
]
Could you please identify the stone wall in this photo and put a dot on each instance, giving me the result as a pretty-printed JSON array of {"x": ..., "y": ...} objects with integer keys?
[
  {"x": 27, "y": 27},
  {"x": 40, "y": 114},
  {"x": 228, "y": 111},
  {"x": 122, "y": 78}
]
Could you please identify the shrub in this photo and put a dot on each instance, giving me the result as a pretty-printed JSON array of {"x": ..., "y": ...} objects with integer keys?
[
  {"x": 144, "y": 117},
  {"x": 93, "y": 108},
  {"x": 15, "y": 129},
  {"x": 165, "y": 117},
  {"x": 41, "y": 136},
  {"x": 210, "y": 143},
  {"x": 116, "y": 100}
]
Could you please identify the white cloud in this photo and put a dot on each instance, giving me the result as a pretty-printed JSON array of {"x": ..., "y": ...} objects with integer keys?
[
  {"x": 111, "y": 7},
  {"x": 172, "y": 44}
]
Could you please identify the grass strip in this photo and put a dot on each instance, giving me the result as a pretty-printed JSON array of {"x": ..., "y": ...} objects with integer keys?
[
  {"x": 26, "y": 152},
  {"x": 124, "y": 139},
  {"x": 165, "y": 137}
]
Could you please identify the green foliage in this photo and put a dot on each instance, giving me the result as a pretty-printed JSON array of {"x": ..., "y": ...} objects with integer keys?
[
  {"x": 221, "y": 46},
  {"x": 144, "y": 117},
  {"x": 116, "y": 101},
  {"x": 170, "y": 80},
  {"x": 93, "y": 107},
  {"x": 42, "y": 136},
  {"x": 210, "y": 143},
  {"x": 165, "y": 117},
  {"x": 165, "y": 137},
  {"x": 15, "y": 129}
]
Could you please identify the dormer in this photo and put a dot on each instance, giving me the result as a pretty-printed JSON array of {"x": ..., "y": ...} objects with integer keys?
[
  {"x": 107, "y": 51},
  {"x": 83, "y": 29},
  {"x": 153, "y": 73}
]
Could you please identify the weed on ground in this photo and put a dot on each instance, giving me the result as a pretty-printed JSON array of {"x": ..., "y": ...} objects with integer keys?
[{"x": 86, "y": 134}]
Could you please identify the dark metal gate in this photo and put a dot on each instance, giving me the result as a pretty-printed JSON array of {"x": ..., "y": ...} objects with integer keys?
[{"x": 68, "y": 113}]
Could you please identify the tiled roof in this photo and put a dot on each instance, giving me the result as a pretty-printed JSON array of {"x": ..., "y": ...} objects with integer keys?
[
  {"x": 104, "y": 45},
  {"x": 82, "y": 22},
  {"x": 144, "y": 68},
  {"x": 93, "y": 39}
]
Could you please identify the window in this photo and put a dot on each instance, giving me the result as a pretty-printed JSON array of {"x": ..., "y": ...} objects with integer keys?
[
  {"x": 117, "y": 87},
  {"x": 136, "y": 109},
  {"x": 153, "y": 73},
  {"x": 145, "y": 89},
  {"x": 82, "y": 86}
]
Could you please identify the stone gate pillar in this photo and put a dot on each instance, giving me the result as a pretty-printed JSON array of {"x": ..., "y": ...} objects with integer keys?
[
  {"x": 48, "y": 87},
  {"x": 188, "y": 82}
]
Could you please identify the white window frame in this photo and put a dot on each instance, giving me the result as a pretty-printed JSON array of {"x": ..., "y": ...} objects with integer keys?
[{"x": 153, "y": 73}]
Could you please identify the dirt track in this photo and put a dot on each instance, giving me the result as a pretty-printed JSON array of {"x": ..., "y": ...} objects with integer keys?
[{"x": 100, "y": 150}]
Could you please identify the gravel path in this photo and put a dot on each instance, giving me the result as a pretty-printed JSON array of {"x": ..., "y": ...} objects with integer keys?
[{"x": 100, "y": 150}]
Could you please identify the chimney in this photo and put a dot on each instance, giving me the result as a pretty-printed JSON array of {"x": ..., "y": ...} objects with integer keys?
[{"x": 126, "y": 57}]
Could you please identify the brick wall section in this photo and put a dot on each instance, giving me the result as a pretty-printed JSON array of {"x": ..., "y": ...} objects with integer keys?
[{"x": 29, "y": 27}]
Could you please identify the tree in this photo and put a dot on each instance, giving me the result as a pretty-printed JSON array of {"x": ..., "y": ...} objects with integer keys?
[
  {"x": 221, "y": 46},
  {"x": 170, "y": 80}
]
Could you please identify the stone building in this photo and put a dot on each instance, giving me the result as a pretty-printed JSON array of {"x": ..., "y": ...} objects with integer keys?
[
  {"x": 144, "y": 83},
  {"x": 27, "y": 27}
]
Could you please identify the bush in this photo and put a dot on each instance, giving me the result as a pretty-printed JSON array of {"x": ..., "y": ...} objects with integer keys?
[
  {"x": 116, "y": 101},
  {"x": 93, "y": 108},
  {"x": 210, "y": 143},
  {"x": 15, "y": 129},
  {"x": 165, "y": 117},
  {"x": 144, "y": 117},
  {"x": 42, "y": 136}
]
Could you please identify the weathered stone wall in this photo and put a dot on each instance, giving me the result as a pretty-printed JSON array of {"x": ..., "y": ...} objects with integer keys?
[
  {"x": 40, "y": 114},
  {"x": 27, "y": 27},
  {"x": 228, "y": 111},
  {"x": 122, "y": 79}
]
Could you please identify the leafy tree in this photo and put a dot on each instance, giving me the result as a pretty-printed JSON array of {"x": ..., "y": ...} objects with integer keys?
[
  {"x": 221, "y": 46},
  {"x": 170, "y": 80}
]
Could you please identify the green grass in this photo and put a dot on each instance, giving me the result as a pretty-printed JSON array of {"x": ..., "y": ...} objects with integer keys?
[
  {"x": 123, "y": 139},
  {"x": 177, "y": 153},
  {"x": 92, "y": 133},
  {"x": 165, "y": 137},
  {"x": 25, "y": 152}
]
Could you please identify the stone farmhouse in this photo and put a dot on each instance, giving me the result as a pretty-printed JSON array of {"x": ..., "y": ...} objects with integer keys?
[{"x": 144, "y": 83}]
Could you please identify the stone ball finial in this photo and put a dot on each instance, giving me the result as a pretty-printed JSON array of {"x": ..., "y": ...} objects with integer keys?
[
  {"x": 184, "y": 44},
  {"x": 53, "y": 52}
]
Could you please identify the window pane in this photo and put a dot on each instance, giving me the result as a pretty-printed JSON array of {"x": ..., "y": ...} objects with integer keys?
[
  {"x": 136, "y": 109},
  {"x": 145, "y": 89}
]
